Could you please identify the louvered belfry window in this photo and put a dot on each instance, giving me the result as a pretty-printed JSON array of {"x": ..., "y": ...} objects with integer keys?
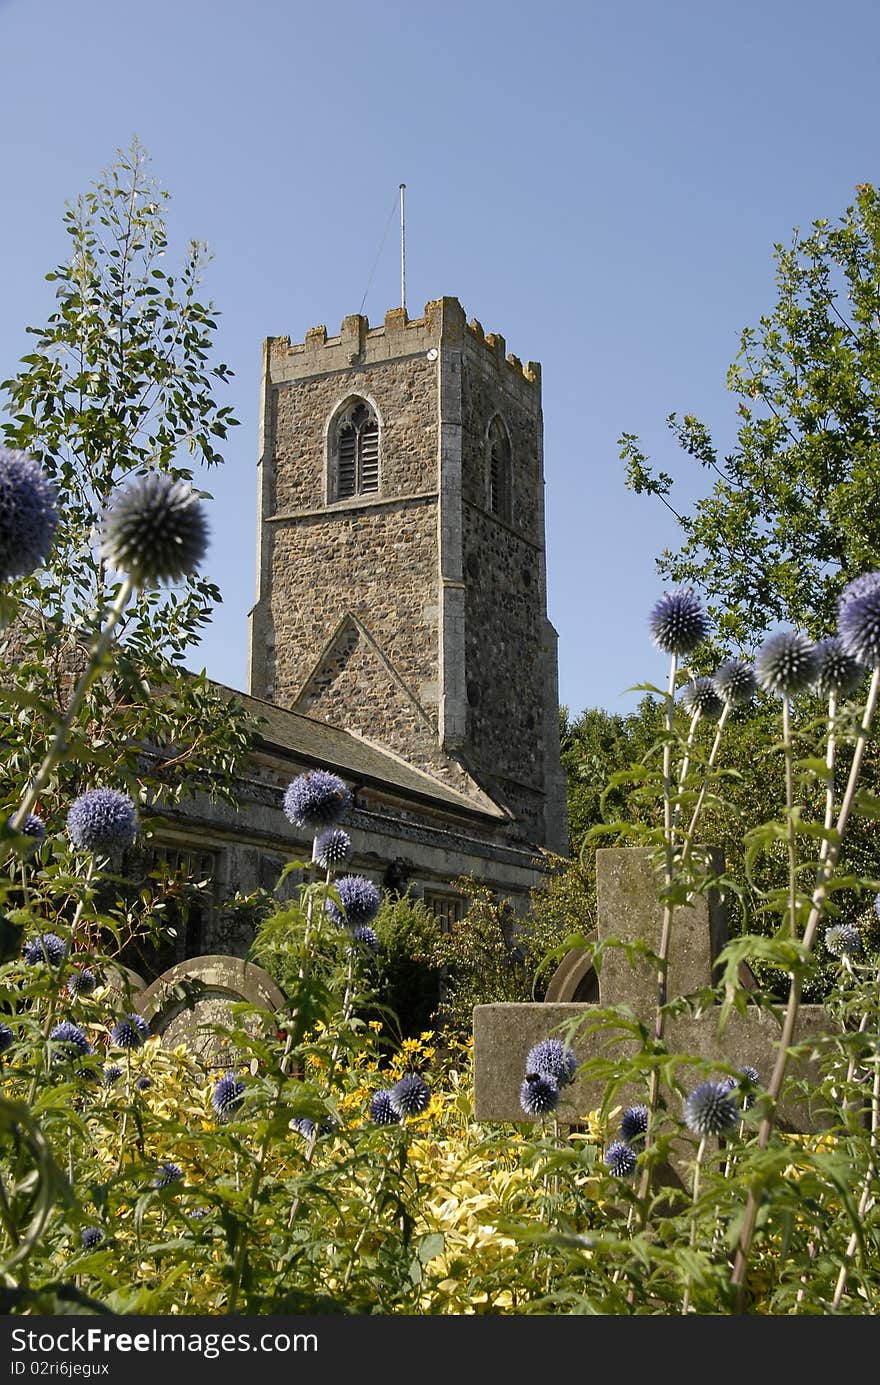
[
  {"x": 499, "y": 471},
  {"x": 357, "y": 452}
]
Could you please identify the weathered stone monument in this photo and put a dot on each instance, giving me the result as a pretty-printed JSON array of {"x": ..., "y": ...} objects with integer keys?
[
  {"x": 190, "y": 1004},
  {"x": 629, "y": 911}
]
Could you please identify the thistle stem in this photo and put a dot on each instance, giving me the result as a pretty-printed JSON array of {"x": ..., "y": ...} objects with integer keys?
[{"x": 686, "y": 1301}]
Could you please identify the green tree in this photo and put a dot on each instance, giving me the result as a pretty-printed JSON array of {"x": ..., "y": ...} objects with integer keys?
[
  {"x": 794, "y": 509},
  {"x": 119, "y": 383}
]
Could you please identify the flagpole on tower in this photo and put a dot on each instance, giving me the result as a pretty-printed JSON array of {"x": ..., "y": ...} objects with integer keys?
[{"x": 402, "y": 248}]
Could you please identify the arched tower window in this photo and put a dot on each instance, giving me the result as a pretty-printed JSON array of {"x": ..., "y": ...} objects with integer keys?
[
  {"x": 355, "y": 451},
  {"x": 498, "y": 446}
]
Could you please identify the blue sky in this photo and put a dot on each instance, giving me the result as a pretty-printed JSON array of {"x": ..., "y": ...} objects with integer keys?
[{"x": 602, "y": 184}]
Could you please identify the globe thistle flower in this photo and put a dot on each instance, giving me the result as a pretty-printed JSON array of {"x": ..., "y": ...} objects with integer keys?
[
  {"x": 843, "y": 940},
  {"x": 702, "y": 696},
  {"x": 143, "y": 1084},
  {"x": 538, "y": 1095},
  {"x": 732, "y": 1084},
  {"x": 360, "y": 900},
  {"x": 859, "y": 586},
  {"x": 130, "y": 1032},
  {"x": 736, "y": 682},
  {"x": 678, "y": 622},
  {"x": 366, "y": 938},
  {"x": 786, "y": 663},
  {"x": 47, "y": 947},
  {"x": 82, "y": 982},
  {"x": 228, "y": 1096},
  {"x": 381, "y": 1110},
  {"x": 7, "y": 1038},
  {"x": 155, "y": 530},
  {"x": 103, "y": 821},
  {"x": 331, "y": 847},
  {"x": 710, "y": 1110},
  {"x": 91, "y": 1237},
  {"x": 28, "y": 518},
  {"x": 166, "y": 1174},
  {"x": 410, "y": 1096},
  {"x": 858, "y": 622},
  {"x": 316, "y": 800},
  {"x": 552, "y": 1059},
  {"x": 34, "y": 826},
  {"x": 620, "y": 1159},
  {"x": 633, "y": 1124},
  {"x": 112, "y": 1074},
  {"x": 71, "y": 1040},
  {"x": 308, "y": 1127},
  {"x": 837, "y": 672}
]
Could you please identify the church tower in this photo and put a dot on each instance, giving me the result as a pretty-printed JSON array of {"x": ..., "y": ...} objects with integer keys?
[{"x": 401, "y": 567}]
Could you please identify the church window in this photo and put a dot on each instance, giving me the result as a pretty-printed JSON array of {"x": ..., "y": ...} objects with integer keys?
[
  {"x": 355, "y": 451},
  {"x": 499, "y": 471}
]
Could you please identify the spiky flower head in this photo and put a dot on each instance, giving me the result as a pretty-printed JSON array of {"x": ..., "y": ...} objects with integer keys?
[
  {"x": 167, "y": 1173},
  {"x": 410, "y": 1096},
  {"x": 91, "y": 1237},
  {"x": 155, "y": 530},
  {"x": 316, "y": 799},
  {"x": 786, "y": 663},
  {"x": 620, "y": 1159},
  {"x": 736, "y": 682},
  {"x": 34, "y": 826},
  {"x": 331, "y": 847},
  {"x": 47, "y": 947},
  {"x": 734, "y": 1084},
  {"x": 130, "y": 1032},
  {"x": 366, "y": 938},
  {"x": 307, "y": 1127},
  {"x": 82, "y": 982},
  {"x": 552, "y": 1059},
  {"x": 7, "y": 1038},
  {"x": 858, "y": 621},
  {"x": 866, "y": 582},
  {"x": 71, "y": 1040},
  {"x": 633, "y": 1123},
  {"x": 144, "y": 1084},
  {"x": 538, "y": 1095},
  {"x": 702, "y": 696},
  {"x": 28, "y": 518},
  {"x": 710, "y": 1110},
  {"x": 837, "y": 672},
  {"x": 360, "y": 900},
  {"x": 843, "y": 940},
  {"x": 381, "y": 1110},
  {"x": 112, "y": 1074},
  {"x": 103, "y": 821},
  {"x": 228, "y": 1095},
  {"x": 678, "y": 622}
]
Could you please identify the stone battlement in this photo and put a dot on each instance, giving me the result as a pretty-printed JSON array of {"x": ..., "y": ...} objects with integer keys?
[{"x": 443, "y": 324}]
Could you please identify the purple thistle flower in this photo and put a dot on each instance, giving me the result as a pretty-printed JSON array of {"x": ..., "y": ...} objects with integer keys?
[
  {"x": 366, "y": 938},
  {"x": 316, "y": 800},
  {"x": 786, "y": 663},
  {"x": 155, "y": 530},
  {"x": 144, "y": 1084},
  {"x": 34, "y": 826},
  {"x": 710, "y": 1110},
  {"x": 82, "y": 982},
  {"x": 633, "y": 1124},
  {"x": 621, "y": 1159},
  {"x": 678, "y": 622},
  {"x": 331, "y": 847},
  {"x": 112, "y": 1074},
  {"x": 538, "y": 1095},
  {"x": 736, "y": 682},
  {"x": 130, "y": 1032},
  {"x": 7, "y": 1038},
  {"x": 843, "y": 940},
  {"x": 410, "y": 1096},
  {"x": 867, "y": 582},
  {"x": 47, "y": 947},
  {"x": 307, "y": 1127},
  {"x": 360, "y": 899},
  {"x": 166, "y": 1174},
  {"x": 381, "y": 1110},
  {"x": 551, "y": 1059},
  {"x": 733, "y": 1084},
  {"x": 228, "y": 1095},
  {"x": 702, "y": 696},
  {"x": 858, "y": 622},
  {"x": 91, "y": 1237},
  {"x": 837, "y": 672},
  {"x": 102, "y": 821},
  {"x": 71, "y": 1040},
  {"x": 28, "y": 518}
]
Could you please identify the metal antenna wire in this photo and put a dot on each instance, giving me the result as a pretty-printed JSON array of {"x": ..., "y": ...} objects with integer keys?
[{"x": 379, "y": 254}]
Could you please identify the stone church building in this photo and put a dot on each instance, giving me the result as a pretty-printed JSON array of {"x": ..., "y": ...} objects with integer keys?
[{"x": 400, "y": 634}]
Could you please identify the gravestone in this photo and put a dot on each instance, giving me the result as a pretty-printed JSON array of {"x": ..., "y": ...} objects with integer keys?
[
  {"x": 629, "y": 911},
  {"x": 185, "y": 1003}
]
